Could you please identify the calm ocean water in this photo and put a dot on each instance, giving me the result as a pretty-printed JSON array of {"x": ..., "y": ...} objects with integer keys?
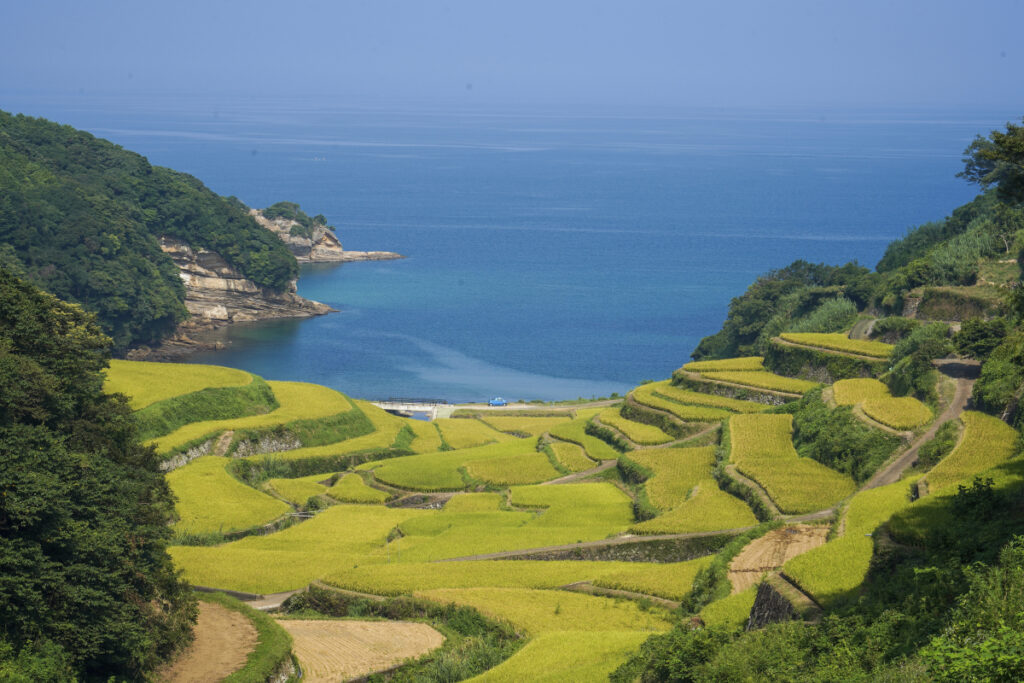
[{"x": 551, "y": 254}]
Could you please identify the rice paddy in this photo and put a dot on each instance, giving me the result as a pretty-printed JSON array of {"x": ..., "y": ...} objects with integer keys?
[
  {"x": 732, "y": 611},
  {"x": 571, "y": 456},
  {"x": 299, "y": 401},
  {"x": 697, "y": 398},
  {"x": 762, "y": 449},
  {"x": 736, "y": 364},
  {"x": 834, "y": 571},
  {"x": 531, "y": 426},
  {"x": 350, "y": 488},
  {"x": 987, "y": 441},
  {"x": 146, "y": 382},
  {"x": 840, "y": 342},
  {"x": 764, "y": 380},
  {"x": 211, "y": 500},
  {"x": 849, "y": 392},
  {"x": 637, "y": 432},
  {"x": 298, "y": 490},
  {"x": 443, "y": 470},
  {"x": 575, "y": 432},
  {"x": 904, "y": 412},
  {"x": 467, "y": 433}
]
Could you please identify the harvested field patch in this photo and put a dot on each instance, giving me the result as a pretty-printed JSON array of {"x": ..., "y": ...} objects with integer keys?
[
  {"x": 223, "y": 640},
  {"x": 330, "y": 651},
  {"x": 771, "y": 551}
]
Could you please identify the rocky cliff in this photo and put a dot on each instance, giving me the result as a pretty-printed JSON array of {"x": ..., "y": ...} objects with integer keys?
[
  {"x": 216, "y": 294},
  {"x": 322, "y": 246}
]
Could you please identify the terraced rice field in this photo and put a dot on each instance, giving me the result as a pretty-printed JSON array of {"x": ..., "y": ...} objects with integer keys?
[
  {"x": 299, "y": 401},
  {"x": 575, "y": 432},
  {"x": 467, "y": 433},
  {"x": 671, "y": 581},
  {"x": 330, "y": 651},
  {"x": 571, "y": 456},
  {"x": 764, "y": 380},
  {"x": 532, "y": 426},
  {"x": 522, "y": 468},
  {"x": 837, "y": 569},
  {"x": 904, "y": 412},
  {"x": 649, "y": 396},
  {"x": 850, "y": 392},
  {"x": 771, "y": 551},
  {"x": 708, "y": 508},
  {"x": 987, "y": 441},
  {"x": 440, "y": 471},
  {"x": 428, "y": 438},
  {"x": 736, "y": 364},
  {"x": 351, "y": 488},
  {"x": 697, "y": 398},
  {"x": 676, "y": 472},
  {"x": 840, "y": 342},
  {"x": 210, "y": 499},
  {"x": 540, "y": 611},
  {"x": 637, "y": 432},
  {"x": 387, "y": 428},
  {"x": 762, "y": 449},
  {"x": 558, "y": 656},
  {"x": 146, "y": 383},
  {"x": 298, "y": 490},
  {"x": 732, "y": 611},
  {"x": 474, "y": 502}
]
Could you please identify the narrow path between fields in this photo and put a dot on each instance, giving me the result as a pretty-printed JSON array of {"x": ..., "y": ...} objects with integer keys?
[
  {"x": 769, "y": 552},
  {"x": 585, "y": 474}
]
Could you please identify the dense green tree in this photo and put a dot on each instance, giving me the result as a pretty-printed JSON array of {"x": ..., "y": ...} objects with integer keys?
[
  {"x": 81, "y": 217},
  {"x": 85, "y": 579},
  {"x": 998, "y": 161}
]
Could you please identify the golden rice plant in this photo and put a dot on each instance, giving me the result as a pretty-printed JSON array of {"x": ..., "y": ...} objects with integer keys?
[
  {"x": 146, "y": 382},
  {"x": 740, "y": 364},
  {"x": 904, "y": 412},
  {"x": 637, "y": 432},
  {"x": 849, "y": 392},
  {"x": 987, "y": 441},
  {"x": 840, "y": 342}
]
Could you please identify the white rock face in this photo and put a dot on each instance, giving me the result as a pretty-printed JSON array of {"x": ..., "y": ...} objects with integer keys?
[
  {"x": 322, "y": 247},
  {"x": 217, "y": 294}
]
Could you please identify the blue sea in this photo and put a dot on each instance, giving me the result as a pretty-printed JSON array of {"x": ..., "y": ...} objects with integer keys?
[{"x": 551, "y": 253}]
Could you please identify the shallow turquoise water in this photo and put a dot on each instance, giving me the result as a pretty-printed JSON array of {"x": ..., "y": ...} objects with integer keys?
[{"x": 550, "y": 255}]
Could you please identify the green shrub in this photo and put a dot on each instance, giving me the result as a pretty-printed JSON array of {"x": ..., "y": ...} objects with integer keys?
[{"x": 215, "y": 403}]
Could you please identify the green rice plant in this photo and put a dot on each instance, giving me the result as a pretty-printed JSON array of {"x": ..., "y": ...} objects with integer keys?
[
  {"x": 406, "y": 577},
  {"x": 474, "y": 502},
  {"x": 904, "y": 412},
  {"x": 440, "y": 471},
  {"x": 351, "y": 488},
  {"x": 146, "y": 382},
  {"x": 467, "y": 433},
  {"x": 214, "y": 403},
  {"x": 340, "y": 536},
  {"x": 708, "y": 508},
  {"x": 833, "y": 572},
  {"x": 646, "y": 395},
  {"x": 575, "y": 432},
  {"x": 987, "y": 441},
  {"x": 762, "y": 449},
  {"x": 297, "y": 490},
  {"x": 571, "y": 456},
  {"x": 521, "y": 468},
  {"x": 387, "y": 429},
  {"x": 558, "y": 656},
  {"x": 540, "y": 611},
  {"x": 732, "y": 611},
  {"x": 531, "y": 426},
  {"x": 839, "y": 342},
  {"x": 697, "y": 398},
  {"x": 209, "y": 499},
  {"x": 637, "y": 432},
  {"x": 298, "y": 400},
  {"x": 764, "y": 380},
  {"x": 849, "y": 392},
  {"x": 585, "y": 413},
  {"x": 675, "y": 472},
  {"x": 734, "y": 364},
  {"x": 673, "y": 580},
  {"x": 428, "y": 438}
]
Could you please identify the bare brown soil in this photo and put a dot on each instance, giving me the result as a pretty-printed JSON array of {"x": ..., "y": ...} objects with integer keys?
[
  {"x": 223, "y": 640},
  {"x": 771, "y": 551},
  {"x": 330, "y": 651}
]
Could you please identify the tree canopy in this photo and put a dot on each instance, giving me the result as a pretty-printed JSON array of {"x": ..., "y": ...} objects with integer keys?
[
  {"x": 86, "y": 585},
  {"x": 81, "y": 217},
  {"x": 998, "y": 161}
]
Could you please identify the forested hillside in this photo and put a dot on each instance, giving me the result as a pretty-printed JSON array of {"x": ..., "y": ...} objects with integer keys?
[
  {"x": 87, "y": 588},
  {"x": 80, "y": 217}
]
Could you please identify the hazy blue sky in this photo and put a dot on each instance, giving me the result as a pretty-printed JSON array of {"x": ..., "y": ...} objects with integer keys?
[{"x": 752, "y": 52}]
